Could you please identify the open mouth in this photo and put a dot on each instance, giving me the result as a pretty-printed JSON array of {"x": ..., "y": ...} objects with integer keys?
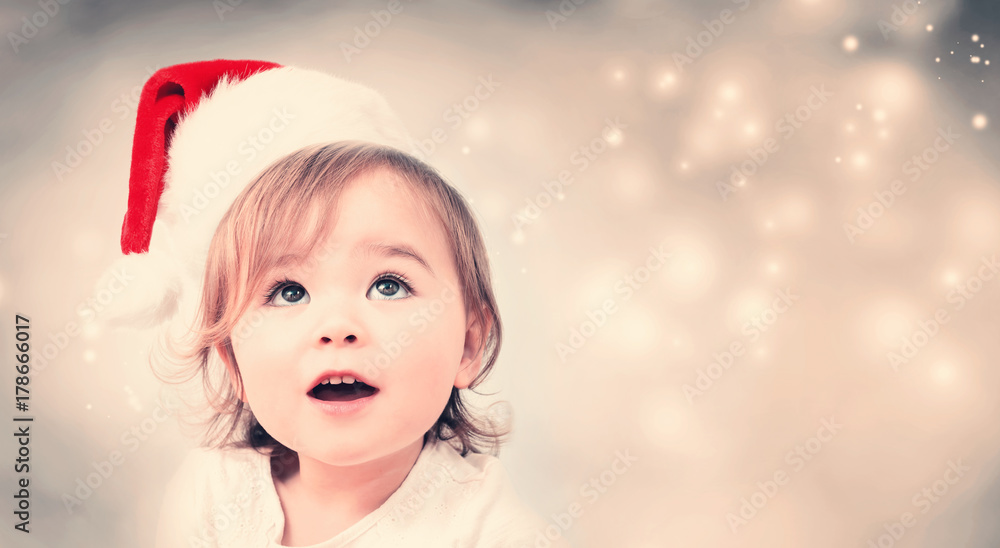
[{"x": 342, "y": 391}]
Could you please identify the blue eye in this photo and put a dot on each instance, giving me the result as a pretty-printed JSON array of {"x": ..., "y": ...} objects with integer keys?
[
  {"x": 287, "y": 293},
  {"x": 389, "y": 287}
]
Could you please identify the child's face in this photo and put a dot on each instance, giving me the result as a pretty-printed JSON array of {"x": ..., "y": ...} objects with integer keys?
[{"x": 342, "y": 312}]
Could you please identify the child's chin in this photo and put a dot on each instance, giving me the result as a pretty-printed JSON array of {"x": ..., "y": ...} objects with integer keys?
[{"x": 357, "y": 451}]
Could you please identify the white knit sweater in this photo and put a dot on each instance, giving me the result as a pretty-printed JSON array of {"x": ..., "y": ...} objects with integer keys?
[{"x": 228, "y": 499}]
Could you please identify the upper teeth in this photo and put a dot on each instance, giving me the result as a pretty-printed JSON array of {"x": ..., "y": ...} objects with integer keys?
[{"x": 346, "y": 379}]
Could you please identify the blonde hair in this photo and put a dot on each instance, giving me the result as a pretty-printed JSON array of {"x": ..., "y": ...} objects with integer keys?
[{"x": 291, "y": 200}]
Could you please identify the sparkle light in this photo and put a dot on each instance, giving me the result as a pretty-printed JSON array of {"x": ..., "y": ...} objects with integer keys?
[
  {"x": 979, "y": 121},
  {"x": 879, "y": 115},
  {"x": 661, "y": 420},
  {"x": 729, "y": 92},
  {"x": 89, "y": 355},
  {"x": 478, "y": 128},
  {"x": 614, "y": 137},
  {"x": 91, "y": 330},
  {"x": 850, "y": 43},
  {"x": 975, "y": 37},
  {"x": 929, "y": 27},
  {"x": 893, "y": 321},
  {"x": 975, "y": 59},
  {"x": 943, "y": 373},
  {"x": 691, "y": 270}
]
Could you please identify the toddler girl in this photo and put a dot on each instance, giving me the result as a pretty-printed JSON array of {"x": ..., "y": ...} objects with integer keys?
[{"x": 332, "y": 294}]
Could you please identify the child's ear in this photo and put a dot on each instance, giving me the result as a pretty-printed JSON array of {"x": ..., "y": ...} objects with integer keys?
[
  {"x": 224, "y": 355},
  {"x": 472, "y": 354}
]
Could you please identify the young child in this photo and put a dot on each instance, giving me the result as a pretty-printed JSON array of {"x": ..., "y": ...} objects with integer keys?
[{"x": 332, "y": 294}]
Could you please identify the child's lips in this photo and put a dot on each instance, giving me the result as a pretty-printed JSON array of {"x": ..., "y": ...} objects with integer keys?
[
  {"x": 342, "y": 392},
  {"x": 339, "y": 373},
  {"x": 343, "y": 407}
]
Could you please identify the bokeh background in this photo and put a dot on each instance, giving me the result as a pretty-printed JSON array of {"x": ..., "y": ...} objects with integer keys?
[{"x": 814, "y": 364}]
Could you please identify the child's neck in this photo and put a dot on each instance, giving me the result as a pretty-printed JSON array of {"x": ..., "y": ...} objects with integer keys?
[{"x": 319, "y": 501}]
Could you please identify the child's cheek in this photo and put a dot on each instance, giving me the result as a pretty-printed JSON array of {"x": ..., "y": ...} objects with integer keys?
[{"x": 438, "y": 332}]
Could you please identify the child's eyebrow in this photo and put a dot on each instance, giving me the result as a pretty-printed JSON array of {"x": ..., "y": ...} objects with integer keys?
[{"x": 384, "y": 249}]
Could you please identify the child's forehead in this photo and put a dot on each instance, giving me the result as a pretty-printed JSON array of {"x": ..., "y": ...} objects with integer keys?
[
  {"x": 320, "y": 219},
  {"x": 397, "y": 189}
]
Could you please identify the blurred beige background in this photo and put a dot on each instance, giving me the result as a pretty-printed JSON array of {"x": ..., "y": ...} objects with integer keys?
[{"x": 745, "y": 251}]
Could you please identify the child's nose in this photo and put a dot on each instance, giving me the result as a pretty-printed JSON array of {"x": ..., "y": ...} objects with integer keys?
[
  {"x": 349, "y": 339},
  {"x": 339, "y": 325}
]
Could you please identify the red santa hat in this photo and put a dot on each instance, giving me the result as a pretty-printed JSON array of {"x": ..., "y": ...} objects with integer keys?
[{"x": 203, "y": 132}]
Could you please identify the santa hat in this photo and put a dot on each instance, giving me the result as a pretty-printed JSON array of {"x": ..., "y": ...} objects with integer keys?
[{"x": 203, "y": 132}]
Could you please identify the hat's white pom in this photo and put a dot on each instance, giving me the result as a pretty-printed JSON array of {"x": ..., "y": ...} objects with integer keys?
[{"x": 144, "y": 289}]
